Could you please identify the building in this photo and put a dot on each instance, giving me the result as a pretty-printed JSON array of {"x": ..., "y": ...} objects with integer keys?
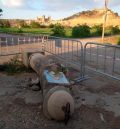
[{"x": 43, "y": 19}]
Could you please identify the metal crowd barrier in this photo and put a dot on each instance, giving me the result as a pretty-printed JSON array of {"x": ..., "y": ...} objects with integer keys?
[
  {"x": 68, "y": 50},
  {"x": 101, "y": 58},
  {"x": 10, "y": 45}
]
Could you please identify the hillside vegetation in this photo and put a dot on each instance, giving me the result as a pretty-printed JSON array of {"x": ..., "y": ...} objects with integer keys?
[{"x": 94, "y": 17}]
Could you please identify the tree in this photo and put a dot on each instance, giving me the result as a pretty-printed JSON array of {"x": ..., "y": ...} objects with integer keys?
[
  {"x": 58, "y": 30},
  {"x": 115, "y": 30},
  {"x": 81, "y": 31},
  {"x": 4, "y": 23},
  {"x": 51, "y": 25},
  {"x": 96, "y": 30},
  {"x": 1, "y": 11},
  {"x": 118, "y": 43}
]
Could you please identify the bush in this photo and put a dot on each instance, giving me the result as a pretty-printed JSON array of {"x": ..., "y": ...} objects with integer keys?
[
  {"x": 43, "y": 26},
  {"x": 1, "y": 11},
  {"x": 20, "y": 30},
  {"x": 34, "y": 25},
  {"x": 58, "y": 30},
  {"x": 14, "y": 66},
  {"x": 81, "y": 31},
  {"x": 96, "y": 30},
  {"x": 118, "y": 43},
  {"x": 5, "y": 23},
  {"x": 51, "y": 26},
  {"x": 115, "y": 30}
]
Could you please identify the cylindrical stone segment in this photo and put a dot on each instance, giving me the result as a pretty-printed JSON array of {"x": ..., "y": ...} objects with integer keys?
[
  {"x": 37, "y": 61},
  {"x": 54, "y": 100}
]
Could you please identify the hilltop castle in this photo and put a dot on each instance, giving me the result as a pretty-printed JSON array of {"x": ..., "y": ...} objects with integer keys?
[{"x": 43, "y": 19}]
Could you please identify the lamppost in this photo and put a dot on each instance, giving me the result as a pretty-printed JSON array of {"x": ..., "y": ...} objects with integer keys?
[{"x": 105, "y": 19}]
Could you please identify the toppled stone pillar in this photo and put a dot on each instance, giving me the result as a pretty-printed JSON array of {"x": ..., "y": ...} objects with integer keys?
[
  {"x": 58, "y": 104},
  {"x": 37, "y": 61}
]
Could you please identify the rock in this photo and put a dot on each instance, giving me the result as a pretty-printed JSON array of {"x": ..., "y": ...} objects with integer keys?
[
  {"x": 32, "y": 82},
  {"x": 102, "y": 117},
  {"x": 35, "y": 88}
]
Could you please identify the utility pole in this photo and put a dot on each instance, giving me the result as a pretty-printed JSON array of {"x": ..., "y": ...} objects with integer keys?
[{"x": 105, "y": 19}]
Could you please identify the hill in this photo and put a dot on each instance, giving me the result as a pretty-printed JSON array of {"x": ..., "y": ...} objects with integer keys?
[{"x": 92, "y": 17}]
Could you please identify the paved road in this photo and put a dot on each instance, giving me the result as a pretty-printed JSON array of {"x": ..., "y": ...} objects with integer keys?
[{"x": 97, "y": 57}]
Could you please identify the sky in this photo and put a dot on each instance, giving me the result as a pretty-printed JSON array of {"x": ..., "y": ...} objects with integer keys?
[{"x": 57, "y": 9}]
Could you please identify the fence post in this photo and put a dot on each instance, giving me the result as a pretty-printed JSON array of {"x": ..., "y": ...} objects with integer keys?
[
  {"x": 7, "y": 44},
  {"x": 18, "y": 45},
  {"x": 0, "y": 47}
]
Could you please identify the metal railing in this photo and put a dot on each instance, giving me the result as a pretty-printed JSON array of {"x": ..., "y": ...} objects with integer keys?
[
  {"x": 10, "y": 45},
  {"x": 71, "y": 51},
  {"x": 104, "y": 59},
  {"x": 101, "y": 58}
]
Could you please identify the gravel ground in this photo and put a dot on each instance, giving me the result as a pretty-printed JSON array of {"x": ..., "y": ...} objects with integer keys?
[{"x": 21, "y": 108}]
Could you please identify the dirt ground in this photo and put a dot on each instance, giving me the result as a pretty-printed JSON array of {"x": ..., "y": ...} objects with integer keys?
[{"x": 21, "y": 108}]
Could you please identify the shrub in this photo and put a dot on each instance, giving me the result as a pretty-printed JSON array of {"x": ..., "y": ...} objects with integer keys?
[
  {"x": 14, "y": 66},
  {"x": 5, "y": 23},
  {"x": 51, "y": 26},
  {"x": 35, "y": 25},
  {"x": 115, "y": 30},
  {"x": 20, "y": 30},
  {"x": 1, "y": 11},
  {"x": 43, "y": 26},
  {"x": 96, "y": 30},
  {"x": 81, "y": 31},
  {"x": 118, "y": 43},
  {"x": 58, "y": 30}
]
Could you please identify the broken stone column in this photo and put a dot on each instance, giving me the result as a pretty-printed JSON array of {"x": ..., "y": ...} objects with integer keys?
[
  {"x": 55, "y": 101},
  {"x": 38, "y": 60},
  {"x": 58, "y": 103}
]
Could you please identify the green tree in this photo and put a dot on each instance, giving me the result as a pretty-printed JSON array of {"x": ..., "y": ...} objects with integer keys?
[
  {"x": 58, "y": 30},
  {"x": 1, "y": 11},
  {"x": 115, "y": 30},
  {"x": 51, "y": 25},
  {"x": 81, "y": 31},
  {"x": 96, "y": 30},
  {"x": 118, "y": 43},
  {"x": 4, "y": 23}
]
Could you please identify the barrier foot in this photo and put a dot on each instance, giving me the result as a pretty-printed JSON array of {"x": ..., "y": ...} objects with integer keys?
[{"x": 80, "y": 79}]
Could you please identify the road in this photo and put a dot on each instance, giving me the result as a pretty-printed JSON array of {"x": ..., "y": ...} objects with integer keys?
[{"x": 101, "y": 58}]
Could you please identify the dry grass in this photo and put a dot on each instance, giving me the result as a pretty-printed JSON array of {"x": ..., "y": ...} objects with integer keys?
[
  {"x": 93, "y": 21},
  {"x": 111, "y": 39}
]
